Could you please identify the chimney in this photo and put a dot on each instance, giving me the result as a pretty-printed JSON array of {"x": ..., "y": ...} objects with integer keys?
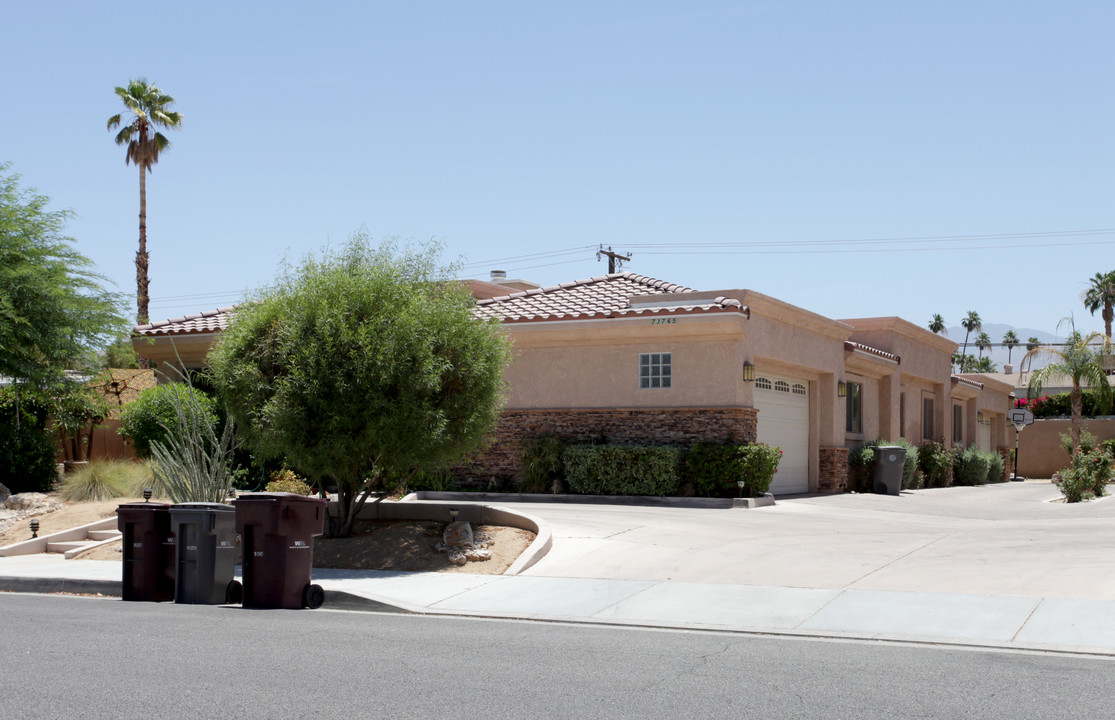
[
  {"x": 1008, "y": 368},
  {"x": 499, "y": 275}
]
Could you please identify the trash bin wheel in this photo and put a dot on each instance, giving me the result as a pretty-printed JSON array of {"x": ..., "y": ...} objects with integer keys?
[
  {"x": 313, "y": 596},
  {"x": 234, "y": 593}
]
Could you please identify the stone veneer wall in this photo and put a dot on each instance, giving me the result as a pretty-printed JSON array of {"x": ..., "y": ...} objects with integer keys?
[
  {"x": 833, "y": 474},
  {"x": 652, "y": 426}
]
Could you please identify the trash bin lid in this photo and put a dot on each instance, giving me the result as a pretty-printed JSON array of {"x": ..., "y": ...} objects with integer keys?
[
  {"x": 139, "y": 505},
  {"x": 202, "y": 507},
  {"x": 276, "y": 497}
]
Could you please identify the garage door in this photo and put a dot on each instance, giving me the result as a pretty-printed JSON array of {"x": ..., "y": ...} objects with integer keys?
[{"x": 783, "y": 405}]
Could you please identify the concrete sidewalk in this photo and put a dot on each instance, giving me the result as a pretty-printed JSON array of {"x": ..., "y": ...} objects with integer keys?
[{"x": 999, "y": 566}]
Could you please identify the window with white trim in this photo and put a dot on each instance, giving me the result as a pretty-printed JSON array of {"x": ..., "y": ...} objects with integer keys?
[{"x": 654, "y": 370}]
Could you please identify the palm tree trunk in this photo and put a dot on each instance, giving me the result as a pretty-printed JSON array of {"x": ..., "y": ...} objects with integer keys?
[
  {"x": 1108, "y": 316},
  {"x": 142, "y": 301}
]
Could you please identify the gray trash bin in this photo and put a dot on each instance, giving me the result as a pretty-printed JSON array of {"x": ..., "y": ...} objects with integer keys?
[
  {"x": 889, "y": 460},
  {"x": 205, "y": 554}
]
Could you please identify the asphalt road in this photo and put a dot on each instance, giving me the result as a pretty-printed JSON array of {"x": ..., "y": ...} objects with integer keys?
[{"x": 73, "y": 657}]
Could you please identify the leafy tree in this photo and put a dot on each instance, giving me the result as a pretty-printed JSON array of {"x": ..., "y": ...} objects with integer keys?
[
  {"x": 121, "y": 354},
  {"x": 1082, "y": 359},
  {"x": 937, "y": 324},
  {"x": 971, "y": 323},
  {"x": 983, "y": 342},
  {"x": 55, "y": 314},
  {"x": 1101, "y": 294},
  {"x": 27, "y": 449},
  {"x": 359, "y": 368},
  {"x": 1010, "y": 342},
  {"x": 150, "y": 418},
  {"x": 150, "y": 109}
]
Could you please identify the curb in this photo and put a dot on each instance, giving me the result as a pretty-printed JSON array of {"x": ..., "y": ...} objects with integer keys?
[{"x": 48, "y": 586}]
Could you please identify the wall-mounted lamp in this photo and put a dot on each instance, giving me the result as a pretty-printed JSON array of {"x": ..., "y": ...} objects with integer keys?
[
  {"x": 841, "y": 389},
  {"x": 748, "y": 372},
  {"x": 34, "y": 528},
  {"x": 979, "y": 416}
]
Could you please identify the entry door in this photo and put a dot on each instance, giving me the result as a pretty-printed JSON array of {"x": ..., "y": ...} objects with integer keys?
[{"x": 783, "y": 405}]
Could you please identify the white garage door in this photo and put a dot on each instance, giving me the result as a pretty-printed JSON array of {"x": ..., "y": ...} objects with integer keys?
[{"x": 783, "y": 405}]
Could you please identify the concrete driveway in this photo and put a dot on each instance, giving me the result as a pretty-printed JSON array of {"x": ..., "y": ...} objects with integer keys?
[{"x": 1003, "y": 539}]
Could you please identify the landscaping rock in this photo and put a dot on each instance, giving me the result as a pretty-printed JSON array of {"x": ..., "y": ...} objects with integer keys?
[
  {"x": 457, "y": 534},
  {"x": 5, "y": 493}
]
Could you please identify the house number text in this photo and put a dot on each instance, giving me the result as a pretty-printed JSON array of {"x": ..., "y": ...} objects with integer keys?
[{"x": 663, "y": 321}]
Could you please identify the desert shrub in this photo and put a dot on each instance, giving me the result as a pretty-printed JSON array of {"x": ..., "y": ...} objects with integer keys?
[
  {"x": 542, "y": 464},
  {"x": 145, "y": 420},
  {"x": 1087, "y": 477},
  {"x": 433, "y": 480},
  {"x": 861, "y": 468},
  {"x": 27, "y": 451},
  {"x": 286, "y": 480},
  {"x": 970, "y": 466},
  {"x": 106, "y": 479},
  {"x": 622, "y": 469},
  {"x": 936, "y": 463},
  {"x": 713, "y": 468},
  {"x": 910, "y": 477},
  {"x": 1107, "y": 445},
  {"x": 758, "y": 464},
  {"x": 1088, "y": 442},
  {"x": 996, "y": 466},
  {"x": 192, "y": 463}
]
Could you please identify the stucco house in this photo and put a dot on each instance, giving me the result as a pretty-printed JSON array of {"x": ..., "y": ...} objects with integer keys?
[{"x": 639, "y": 360}]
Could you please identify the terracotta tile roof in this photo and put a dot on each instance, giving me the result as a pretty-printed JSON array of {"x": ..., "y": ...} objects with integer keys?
[
  {"x": 851, "y": 346},
  {"x": 604, "y": 296},
  {"x": 210, "y": 321},
  {"x": 967, "y": 381}
]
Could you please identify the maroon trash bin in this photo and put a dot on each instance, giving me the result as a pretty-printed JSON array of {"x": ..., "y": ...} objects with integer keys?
[
  {"x": 148, "y": 547},
  {"x": 277, "y": 531}
]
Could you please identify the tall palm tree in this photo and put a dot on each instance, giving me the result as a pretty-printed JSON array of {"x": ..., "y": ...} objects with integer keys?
[
  {"x": 983, "y": 342},
  {"x": 971, "y": 323},
  {"x": 1010, "y": 342},
  {"x": 1081, "y": 358},
  {"x": 1032, "y": 344},
  {"x": 150, "y": 109},
  {"x": 1101, "y": 294},
  {"x": 937, "y": 324}
]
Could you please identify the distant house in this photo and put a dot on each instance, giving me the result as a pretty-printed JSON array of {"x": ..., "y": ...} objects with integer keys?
[{"x": 637, "y": 360}]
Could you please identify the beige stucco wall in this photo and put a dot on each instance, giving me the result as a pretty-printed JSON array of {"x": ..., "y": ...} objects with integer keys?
[
  {"x": 1039, "y": 445},
  {"x": 595, "y": 363}
]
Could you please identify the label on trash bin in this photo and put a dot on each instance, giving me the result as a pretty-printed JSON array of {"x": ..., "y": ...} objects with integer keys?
[
  {"x": 258, "y": 553},
  {"x": 137, "y": 545},
  {"x": 299, "y": 545},
  {"x": 892, "y": 457}
]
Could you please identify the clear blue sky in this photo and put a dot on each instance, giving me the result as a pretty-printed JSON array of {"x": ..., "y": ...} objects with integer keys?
[{"x": 781, "y": 131}]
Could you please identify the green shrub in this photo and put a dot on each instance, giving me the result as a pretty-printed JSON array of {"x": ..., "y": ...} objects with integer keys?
[
  {"x": 861, "y": 469},
  {"x": 432, "y": 480},
  {"x": 1087, "y": 477},
  {"x": 1107, "y": 445},
  {"x": 27, "y": 451},
  {"x": 1088, "y": 442},
  {"x": 542, "y": 464},
  {"x": 622, "y": 469},
  {"x": 713, "y": 468},
  {"x": 105, "y": 480},
  {"x": 936, "y": 463},
  {"x": 145, "y": 420},
  {"x": 971, "y": 466},
  {"x": 286, "y": 480},
  {"x": 758, "y": 464},
  {"x": 996, "y": 466}
]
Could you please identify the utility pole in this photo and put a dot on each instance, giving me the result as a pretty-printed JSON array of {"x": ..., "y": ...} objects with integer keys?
[{"x": 615, "y": 260}]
